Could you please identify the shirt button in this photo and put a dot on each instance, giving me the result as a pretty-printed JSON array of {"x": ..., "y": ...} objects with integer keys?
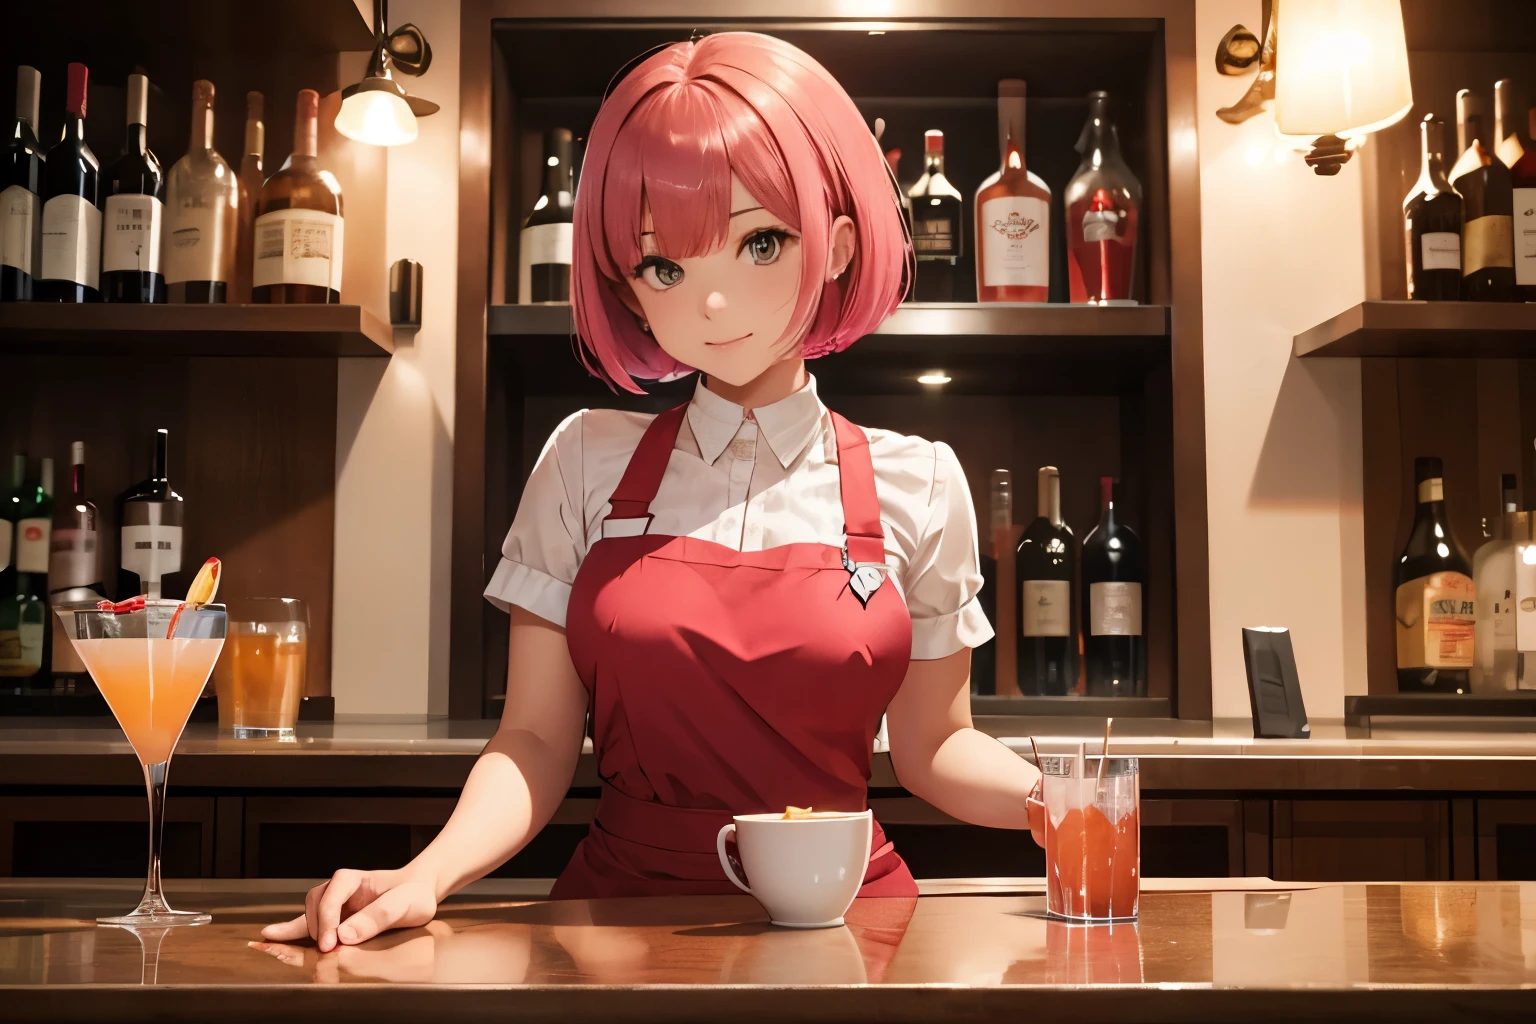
[{"x": 743, "y": 450}]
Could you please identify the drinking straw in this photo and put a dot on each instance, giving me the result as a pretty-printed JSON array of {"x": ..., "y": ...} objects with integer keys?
[
  {"x": 1038, "y": 763},
  {"x": 1098, "y": 783}
]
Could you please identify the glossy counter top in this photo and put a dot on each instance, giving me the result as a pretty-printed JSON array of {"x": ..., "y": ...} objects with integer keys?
[
  {"x": 1464, "y": 951},
  {"x": 438, "y": 754}
]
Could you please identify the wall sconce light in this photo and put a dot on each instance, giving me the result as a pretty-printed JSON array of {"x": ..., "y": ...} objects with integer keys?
[
  {"x": 377, "y": 110},
  {"x": 1337, "y": 73}
]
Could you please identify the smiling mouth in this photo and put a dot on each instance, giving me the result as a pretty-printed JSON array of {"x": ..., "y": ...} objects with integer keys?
[{"x": 723, "y": 344}]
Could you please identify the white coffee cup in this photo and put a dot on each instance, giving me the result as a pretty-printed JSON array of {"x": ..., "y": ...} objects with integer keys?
[{"x": 804, "y": 871}]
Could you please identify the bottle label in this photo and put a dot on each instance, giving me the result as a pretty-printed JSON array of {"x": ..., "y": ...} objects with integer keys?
[
  {"x": 1047, "y": 608},
  {"x": 151, "y": 551},
  {"x": 1440, "y": 250},
  {"x": 1114, "y": 609},
  {"x": 1487, "y": 242},
  {"x": 197, "y": 235},
  {"x": 71, "y": 241},
  {"x": 935, "y": 232},
  {"x": 74, "y": 559},
  {"x": 21, "y": 650},
  {"x": 1523, "y": 609},
  {"x": 131, "y": 233},
  {"x": 32, "y": 545},
  {"x": 1436, "y": 617},
  {"x": 537, "y": 245},
  {"x": 1525, "y": 236},
  {"x": 6, "y": 531},
  {"x": 18, "y": 227},
  {"x": 1015, "y": 245},
  {"x": 298, "y": 247},
  {"x": 1100, "y": 225}
]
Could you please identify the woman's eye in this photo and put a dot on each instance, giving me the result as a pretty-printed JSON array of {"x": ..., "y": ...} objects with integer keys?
[
  {"x": 763, "y": 248},
  {"x": 659, "y": 273}
]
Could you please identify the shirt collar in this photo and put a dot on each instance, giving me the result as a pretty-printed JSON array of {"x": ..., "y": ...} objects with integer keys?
[{"x": 788, "y": 425}]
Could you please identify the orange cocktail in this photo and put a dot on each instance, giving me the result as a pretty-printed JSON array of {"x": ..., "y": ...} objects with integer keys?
[{"x": 1092, "y": 838}]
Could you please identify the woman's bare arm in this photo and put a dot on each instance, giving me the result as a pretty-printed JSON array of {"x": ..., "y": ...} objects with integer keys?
[{"x": 512, "y": 792}]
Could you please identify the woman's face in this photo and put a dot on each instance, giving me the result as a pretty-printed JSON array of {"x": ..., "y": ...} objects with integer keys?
[{"x": 725, "y": 313}]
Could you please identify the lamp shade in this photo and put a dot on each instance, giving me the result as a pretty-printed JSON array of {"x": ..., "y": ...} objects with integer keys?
[
  {"x": 376, "y": 112},
  {"x": 1341, "y": 67}
]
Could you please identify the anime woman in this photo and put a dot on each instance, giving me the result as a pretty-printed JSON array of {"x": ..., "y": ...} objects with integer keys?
[{"x": 739, "y": 588}]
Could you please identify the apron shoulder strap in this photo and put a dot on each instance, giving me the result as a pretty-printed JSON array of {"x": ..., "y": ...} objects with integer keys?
[
  {"x": 861, "y": 505},
  {"x": 642, "y": 477}
]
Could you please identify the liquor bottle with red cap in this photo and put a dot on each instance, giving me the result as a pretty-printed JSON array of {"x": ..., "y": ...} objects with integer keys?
[
  {"x": 1103, "y": 211},
  {"x": 1013, "y": 215},
  {"x": 936, "y": 226}
]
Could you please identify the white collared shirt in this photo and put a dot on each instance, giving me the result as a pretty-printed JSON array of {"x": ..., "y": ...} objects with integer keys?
[{"x": 751, "y": 482}]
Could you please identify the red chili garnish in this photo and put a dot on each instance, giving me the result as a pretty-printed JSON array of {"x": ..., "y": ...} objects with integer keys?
[
  {"x": 132, "y": 604},
  {"x": 170, "y": 631}
]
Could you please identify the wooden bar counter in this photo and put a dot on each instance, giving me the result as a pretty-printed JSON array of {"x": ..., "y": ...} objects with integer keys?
[{"x": 1203, "y": 950}]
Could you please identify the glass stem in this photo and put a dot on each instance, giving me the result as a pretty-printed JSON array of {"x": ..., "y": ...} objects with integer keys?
[{"x": 154, "y": 782}]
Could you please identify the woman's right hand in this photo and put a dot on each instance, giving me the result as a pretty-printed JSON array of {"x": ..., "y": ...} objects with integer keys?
[{"x": 354, "y": 906}]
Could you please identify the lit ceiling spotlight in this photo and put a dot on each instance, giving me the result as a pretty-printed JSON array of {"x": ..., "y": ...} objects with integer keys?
[
  {"x": 377, "y": 110},
  {"x": 934, "y": 378}
]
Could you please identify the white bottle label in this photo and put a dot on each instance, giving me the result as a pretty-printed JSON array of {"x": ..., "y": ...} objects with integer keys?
[
  {"x": 1015, "y": 246},
  {"x": 1100, "y": 225},
  {"x": 18, "y": 224},
  {"x": 74, "y": 559},
  {"x": 1440, "y": 250},
  {"x": 131, "y": 233},
  {"x": 298, "y": 247},
  {"x": 194, "y": 240},
  {"x": 21, "y": 650},
  {"x": 1114, "y": 609},
  {"x": 5, "y": 543},
  {"x": 151, "y": 552},
  {"x": 71, "y": 241},
  {"x": 541, "y": 243},
  {"x": 1525, "y": 236},
  {"x": 1046, "y": 608},
  {"x": 32, "y": 545},
  {"x": 1525, "y": 597}
]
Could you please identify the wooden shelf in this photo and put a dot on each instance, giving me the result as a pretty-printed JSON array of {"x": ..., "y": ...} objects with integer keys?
[
  {"x": 1073, "y": 707},
  {"x": 1432, "y": 330},
  {"x": 117, "y": 329},
  {"x": 996, "y": 348},
  {"x": 1359, "y": 709}
]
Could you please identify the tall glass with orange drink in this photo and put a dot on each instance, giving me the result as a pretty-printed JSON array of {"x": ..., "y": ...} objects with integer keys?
[{"x": 1092, "y": 837}]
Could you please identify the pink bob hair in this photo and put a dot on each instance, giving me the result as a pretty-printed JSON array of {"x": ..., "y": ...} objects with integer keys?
[{"x": 672, "y": 133}]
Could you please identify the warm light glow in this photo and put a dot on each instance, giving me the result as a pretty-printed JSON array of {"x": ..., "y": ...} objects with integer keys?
[
  {"x": 378, "y": 117},
  {"x": 1341, "y": 67},
  {"x": 934, "y": 377}
]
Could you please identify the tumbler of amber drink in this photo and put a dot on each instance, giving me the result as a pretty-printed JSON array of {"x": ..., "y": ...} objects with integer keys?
[
  {"x": 260, "y": 680},
  {"x": 1092, "y": 837}
]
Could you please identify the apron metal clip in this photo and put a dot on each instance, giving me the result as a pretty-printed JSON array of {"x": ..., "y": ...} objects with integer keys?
[{"x": 864, "y": 577}]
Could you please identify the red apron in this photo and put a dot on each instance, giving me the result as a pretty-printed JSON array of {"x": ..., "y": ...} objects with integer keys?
[{"x": 726, "y": 682}]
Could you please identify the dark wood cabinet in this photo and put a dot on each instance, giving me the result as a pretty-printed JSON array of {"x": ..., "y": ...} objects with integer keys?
[
  {"x": 103, "y": 836},
  {"x": 1362, "y": 840},
  {"x": 1506, "y": 840}
]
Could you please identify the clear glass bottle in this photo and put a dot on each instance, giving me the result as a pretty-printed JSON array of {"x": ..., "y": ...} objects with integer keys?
[
  {"x": 202, "y": 202},
  {"x": 1103, "y": 214},
  {"x": 1493, "y": 575}
]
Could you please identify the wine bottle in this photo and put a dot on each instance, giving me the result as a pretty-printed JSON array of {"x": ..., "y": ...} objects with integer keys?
[
  {"x": 1432, "y": 222},
  {"x": 74, "y": 569},
  {"x": 1000, "y": 521},
  {"x": 1114, "y": 577},
  {"x": 1103, "y": 214},
  {"x": 201, "y": 216},
  {"x": 1487, "y": 231},
  {"x": 1507, "y": 144},
  {"x": 1013, "y": 215},
  {"x": 1046, "y": 560},
  {"x": 544, "y": 246},
  {"x": 250, "y": 180},
  {"x": 1523, "y": 188},
  {"x": 34, "y": 524},
  {"x": 134, "y": 211},
  {"x": 151, "y": 514},
  {"x": 1436, "y": 596},
  {"x": 936, "y": 226},
  {"x": 298, "y": 222},
  {"x": 21, "y": 185},
  {"x": 1493, "y": 578},
  {"x": 23, "y": 615},
  {"x": 71, "y": 237}
]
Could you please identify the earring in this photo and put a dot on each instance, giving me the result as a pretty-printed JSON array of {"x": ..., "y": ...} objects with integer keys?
[{"x": 645, "y": 325}]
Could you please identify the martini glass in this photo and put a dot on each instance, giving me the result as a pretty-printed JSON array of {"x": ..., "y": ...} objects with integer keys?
[{"x": 150, "y": 680}]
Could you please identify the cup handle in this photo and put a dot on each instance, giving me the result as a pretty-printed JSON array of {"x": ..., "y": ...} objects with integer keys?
[{"x": 725, "y": 862}]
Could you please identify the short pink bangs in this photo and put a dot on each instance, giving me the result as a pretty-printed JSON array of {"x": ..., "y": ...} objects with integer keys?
[{"x": 671, "y": 135}]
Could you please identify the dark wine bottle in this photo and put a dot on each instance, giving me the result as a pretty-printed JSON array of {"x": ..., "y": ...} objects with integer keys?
[
  {"x": 74, "y": 570},
  {"x": 1436, "y": 597},
  {"x": 133, "y": 214},
  {"x": 1046, "y": 559},
  {"x": 1432, "y": 222},
  {"x": 544, "y": 246},
  {"x": 936, "y": 226},
  {"x": 1523, "y": 179},
  {"x": 151, "y": 514},
  {"x": 1487, "y": 232},
  {"x": 1000, "y": 525},
  {"x": 21, "y": 185},
  {"x": 1114, "y": 578},
  {"x": 71, "y": 242}
]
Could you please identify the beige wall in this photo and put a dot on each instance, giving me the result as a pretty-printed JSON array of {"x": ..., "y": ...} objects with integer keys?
[
  {"x": 1281, "y": 250},
  {"x": 394, "y": 445}
]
